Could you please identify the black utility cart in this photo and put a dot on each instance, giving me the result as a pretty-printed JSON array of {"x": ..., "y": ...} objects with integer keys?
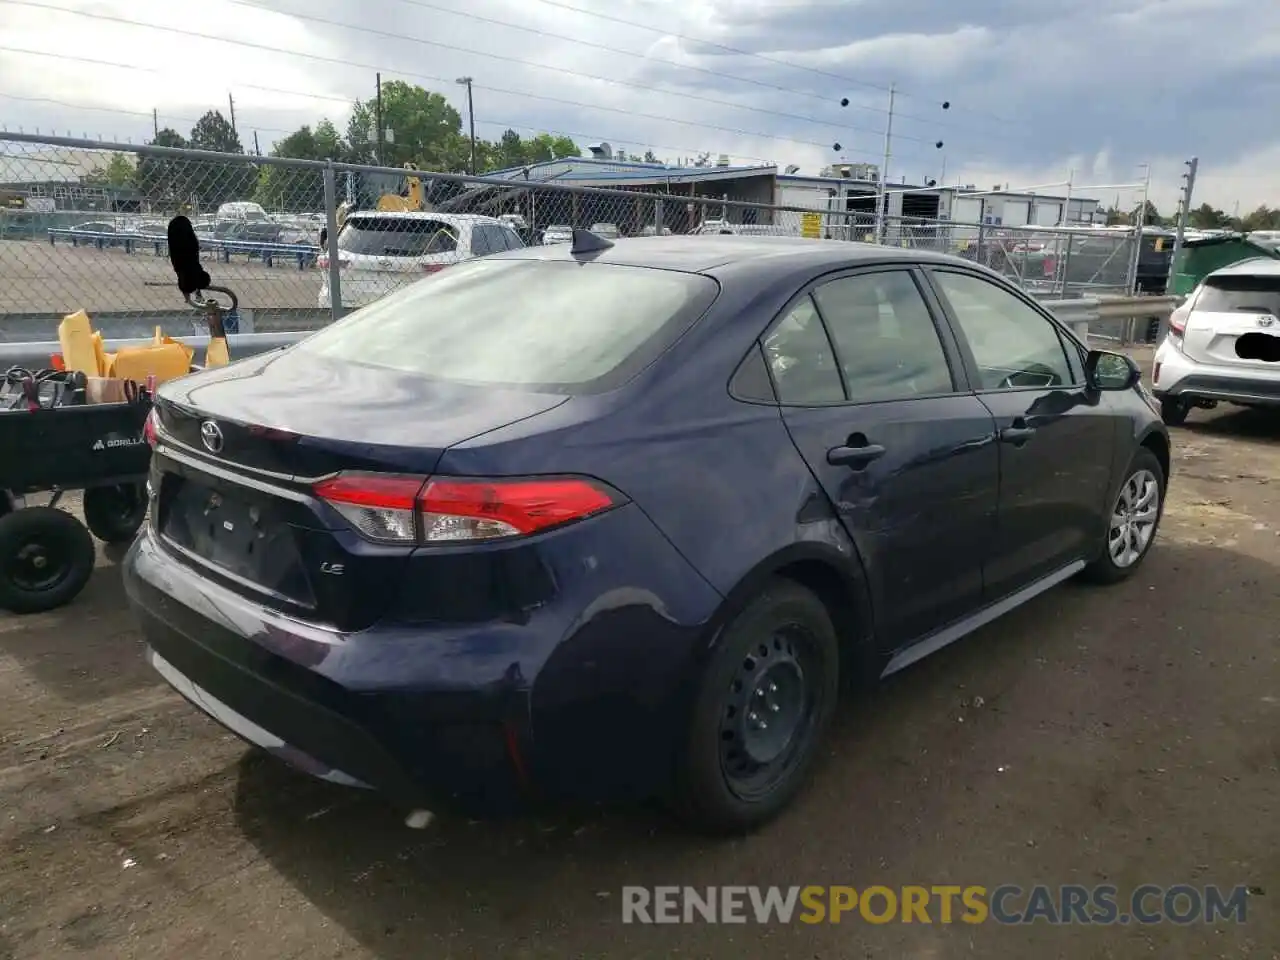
[{"x": 46, "y": 554}]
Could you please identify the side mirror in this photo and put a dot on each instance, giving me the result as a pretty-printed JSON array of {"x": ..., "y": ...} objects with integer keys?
[{"x": 1111, "y": 371}]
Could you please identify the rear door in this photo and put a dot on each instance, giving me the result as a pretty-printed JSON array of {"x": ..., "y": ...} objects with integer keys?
[
  {"x": 1056, "y": 435},
  {"x": 1235, "y": 321},
  {"x": 875, "y": 398}
]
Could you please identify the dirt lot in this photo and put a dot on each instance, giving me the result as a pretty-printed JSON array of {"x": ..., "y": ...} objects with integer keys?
[{"x": 1129, "y": 736}]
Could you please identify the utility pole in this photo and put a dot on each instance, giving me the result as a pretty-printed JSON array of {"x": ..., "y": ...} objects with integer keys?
[
  {"x": 471, "y": 120},
  {"x": 377, "y": 116},
  {"x": 231, "y": 102},
  {"x": 155, "y": 121},
  {"x": 256, "y": 149},
  {"x": 1184, "y": 214},
  {"x": 881, "y": 196}
]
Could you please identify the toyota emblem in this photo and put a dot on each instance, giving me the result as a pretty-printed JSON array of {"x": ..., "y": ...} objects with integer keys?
[
  {"x": 1266, "y": 321},
  {"x": 211, "y": 434}
]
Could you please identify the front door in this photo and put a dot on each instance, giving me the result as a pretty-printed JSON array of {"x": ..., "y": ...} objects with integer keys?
[
  {"x": 903, "y": 451},
  {"x": 1056, "y": 434}
]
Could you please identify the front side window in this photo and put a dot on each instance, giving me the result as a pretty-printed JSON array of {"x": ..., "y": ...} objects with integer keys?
[
  {"x": 888, "y": 345},
  {"x": 1013, "y": 344}
]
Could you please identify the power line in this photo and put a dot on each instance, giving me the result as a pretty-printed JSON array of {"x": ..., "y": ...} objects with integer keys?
[
  {"x": 776, "y": 61},
  {"x": 495, "y": 124},
  {"x": 500, "y": 57},
  {"x": 824, "y": 98}
]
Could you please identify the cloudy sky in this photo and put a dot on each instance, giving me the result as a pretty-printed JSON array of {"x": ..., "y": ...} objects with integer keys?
[{"x": 1038, "y": 88}]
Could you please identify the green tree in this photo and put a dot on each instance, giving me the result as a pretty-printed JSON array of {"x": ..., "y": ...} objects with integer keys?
[
  {"x": 1206, "y": 217},
  {"x": 219, "y": 182},
  {"x": 295, "y": 189},
  {"x": 423, "y": 125},
  {"x": 1262, "y": 218},
  {"x": 163, "y": 181},
  {"x": 118, "y": 173}
]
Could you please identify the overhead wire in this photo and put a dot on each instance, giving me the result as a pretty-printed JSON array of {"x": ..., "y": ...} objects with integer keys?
[
  {"x": 494, "y": 123},
  {"x": 495, "y": 56}
]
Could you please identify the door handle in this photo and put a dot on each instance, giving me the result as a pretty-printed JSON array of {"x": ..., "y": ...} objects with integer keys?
[
  {"x": 855, "y": 457},
  {"x": 1017, "y": 432}
]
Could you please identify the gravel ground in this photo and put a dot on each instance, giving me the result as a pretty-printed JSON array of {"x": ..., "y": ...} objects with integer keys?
[{"x": 1126, "y": 735}]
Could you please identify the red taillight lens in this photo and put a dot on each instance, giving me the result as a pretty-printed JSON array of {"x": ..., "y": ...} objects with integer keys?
[
  {"x": 400, "y": 509},
  {"x": 1178, "y": 323},
  {"x": 149, "y": 428},
  {"x": 433, "y": 267},
  {"x": 380, "y": 506},
  {"x": 484, "y": 509}
]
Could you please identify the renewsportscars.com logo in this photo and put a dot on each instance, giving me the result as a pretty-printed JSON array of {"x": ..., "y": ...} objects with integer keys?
[{"x": 1008, "y": 904}]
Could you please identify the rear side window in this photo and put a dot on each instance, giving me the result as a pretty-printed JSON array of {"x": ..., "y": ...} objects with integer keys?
[
  {"x": 487, "y": 238},
  {"x": 396, "y": 236},
  {"x": 1244, "y": 294},
  {"x": 541, "y": 325}
]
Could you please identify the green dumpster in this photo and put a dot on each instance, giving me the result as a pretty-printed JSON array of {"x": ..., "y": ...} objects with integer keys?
[{"x": 1199, "y": 258}]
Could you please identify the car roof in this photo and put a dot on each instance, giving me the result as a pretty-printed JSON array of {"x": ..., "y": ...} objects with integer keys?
[
  {"x": 1252, "y": 267},
  {"x": 699, "y": 254}
]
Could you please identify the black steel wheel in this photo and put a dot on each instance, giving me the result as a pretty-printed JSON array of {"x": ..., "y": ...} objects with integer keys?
[
  {"x": 765, "y": 701},
  {"x": 46, "y": 558},
  {"x": 114, "y": 514}
]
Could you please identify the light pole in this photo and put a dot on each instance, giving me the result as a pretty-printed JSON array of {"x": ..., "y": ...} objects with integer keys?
[{"x": 471, "y": 120}]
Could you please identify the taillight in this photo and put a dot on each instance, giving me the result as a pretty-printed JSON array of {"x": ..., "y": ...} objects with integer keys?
[
  {"x": 1178, "y": 323},
  {"x": 433, "y": 267},
  {"x": 391, "y": 508},
  {"x": 150, "y": 428}
]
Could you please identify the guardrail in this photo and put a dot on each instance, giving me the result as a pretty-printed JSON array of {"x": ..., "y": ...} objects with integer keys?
[
  {"x": 304, "y": 253},
  {"x": 1077, "y": 314}
]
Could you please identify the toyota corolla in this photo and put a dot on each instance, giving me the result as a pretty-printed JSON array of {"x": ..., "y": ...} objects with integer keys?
[{"x": 602, "y": 521}]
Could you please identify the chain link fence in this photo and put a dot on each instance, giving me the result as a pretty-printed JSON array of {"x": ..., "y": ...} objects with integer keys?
[{"x": 83, "y": 226}]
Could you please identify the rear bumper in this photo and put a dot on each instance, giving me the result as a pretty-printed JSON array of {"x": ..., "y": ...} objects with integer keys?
[
  {"x": 584, "y": 701},
  {"x": 1176, "y": 376}
]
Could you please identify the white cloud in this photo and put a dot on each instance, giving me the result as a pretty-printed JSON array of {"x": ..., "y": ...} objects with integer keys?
[{"x": 1037, "y": 88}]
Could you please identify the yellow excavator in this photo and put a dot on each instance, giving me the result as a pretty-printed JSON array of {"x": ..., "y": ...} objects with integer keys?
[{"x": 411, "y": 200}]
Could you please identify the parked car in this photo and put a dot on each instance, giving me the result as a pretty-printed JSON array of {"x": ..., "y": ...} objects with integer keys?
[
  {"x": 381, "y": 252},
  {"x": 607, "y": 230},
  {"x": 557, "y": 234},
  {"x": 470, "y": 545},
  {"x": 1223, "y": 343}
]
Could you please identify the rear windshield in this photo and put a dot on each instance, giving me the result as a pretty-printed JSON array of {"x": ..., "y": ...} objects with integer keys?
[
  {"x": 396, "y": 236},
  {"x": 550, "y": 326},
  {"x": 1245, "y": 294}
]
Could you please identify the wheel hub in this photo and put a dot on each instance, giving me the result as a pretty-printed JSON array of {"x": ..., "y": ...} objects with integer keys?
[{"x": 772, "y": 711}]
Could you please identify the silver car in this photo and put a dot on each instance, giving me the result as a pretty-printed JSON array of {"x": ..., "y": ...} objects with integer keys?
[{"x": 1223, "y": 343}]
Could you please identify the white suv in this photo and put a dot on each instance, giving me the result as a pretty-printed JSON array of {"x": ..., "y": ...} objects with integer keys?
[
  {"x": 1223, "y": 343},
  {"x": 380, "y": 252}
]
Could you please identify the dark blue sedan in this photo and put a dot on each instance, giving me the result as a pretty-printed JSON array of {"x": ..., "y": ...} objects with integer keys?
[{"x": 598, "y": 522}]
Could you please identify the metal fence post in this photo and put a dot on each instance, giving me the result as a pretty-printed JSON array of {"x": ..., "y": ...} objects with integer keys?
[
  {"x": 659, "y": 221},
  {"x": 331, "y": 242},
  {"x": 1065, "y": 265}
]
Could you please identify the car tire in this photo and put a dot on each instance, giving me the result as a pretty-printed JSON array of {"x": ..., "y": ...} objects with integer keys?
[
  {"x": 46, "y": 558},
  {"x": 1174, "y": 410},
  {"x": 114, "y": 514},
  {"x": 777, "y": 662},
  {"x": 1113, "y": 564}
]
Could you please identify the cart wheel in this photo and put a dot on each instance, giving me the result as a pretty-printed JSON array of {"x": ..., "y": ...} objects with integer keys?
[
  {"x": 113, "y": 514},
  {"x": 46, "y": 558}
]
